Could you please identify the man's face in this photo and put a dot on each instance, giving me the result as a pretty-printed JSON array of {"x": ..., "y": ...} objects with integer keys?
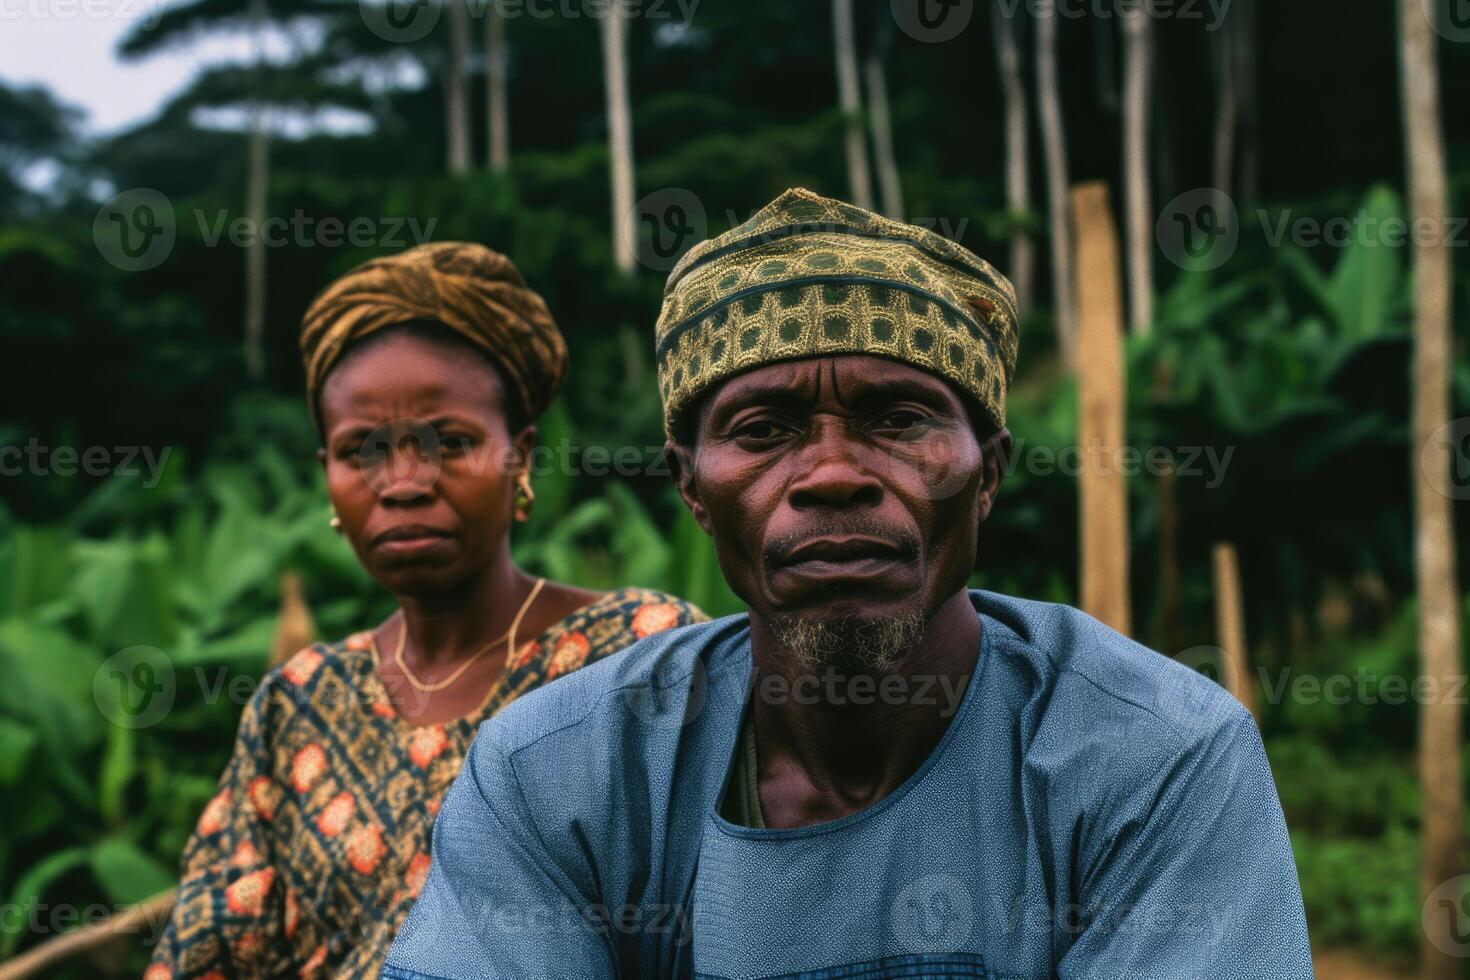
[{"x": 844, "y": 496}]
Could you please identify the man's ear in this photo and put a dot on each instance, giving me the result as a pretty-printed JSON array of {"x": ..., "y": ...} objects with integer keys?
[
  {"x": 995, "y": 457},
  {"x": 681, "y": 469}
]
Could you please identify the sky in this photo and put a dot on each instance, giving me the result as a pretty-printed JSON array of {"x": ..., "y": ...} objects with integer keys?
[{"x": 69, "y": 46}]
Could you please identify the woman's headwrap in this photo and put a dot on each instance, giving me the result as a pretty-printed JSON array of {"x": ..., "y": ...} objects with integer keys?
[
  {"x": 474, "y": 291},
  {"x": 808, "y": 276}
]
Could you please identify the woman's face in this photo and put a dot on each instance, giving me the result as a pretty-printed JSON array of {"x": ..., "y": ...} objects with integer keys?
[{"x": 421, "y": 467}]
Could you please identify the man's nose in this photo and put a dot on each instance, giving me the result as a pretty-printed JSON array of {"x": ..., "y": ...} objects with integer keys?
[{"x": 834, "y": 471}]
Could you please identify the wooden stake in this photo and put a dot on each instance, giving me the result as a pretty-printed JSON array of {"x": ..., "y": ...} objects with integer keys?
[
  {"x": 1101, "y": 399},
  {"x": 146, "y": 917},
  {"x": 1230, "y": 626}
]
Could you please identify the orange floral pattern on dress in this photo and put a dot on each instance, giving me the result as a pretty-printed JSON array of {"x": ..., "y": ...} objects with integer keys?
[
  {"x": 365, "y": 848},
  {"x": 321, "y": 730},
  {"x": 247, "y": 895},
  {"x": 245, "y": 855},
  {"x": 264, "y": 794},
  {"x": 315, "y": 961},
  {"x": 249, "y": 949},
  {"x": 307, "y": 767},
  {"x": 336, "y": 815},
  {"x": 293, "y": 913},
  {"x": 417, "y": 874},
  {"x": 655, "y": 618},
  {"x": 298, "y": 669},
  {"x": 570, "y": 653},
  {"x": 216, "y": 814},
  {"x": 425, "y": 744},
  {"x": 528, "y": 652}
]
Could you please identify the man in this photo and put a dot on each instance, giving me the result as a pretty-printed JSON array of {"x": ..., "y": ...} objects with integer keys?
[{"x": 876, "y": 773}]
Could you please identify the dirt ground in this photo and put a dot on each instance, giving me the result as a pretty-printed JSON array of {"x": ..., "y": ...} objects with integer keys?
[{"x": 1337, "y": 964}]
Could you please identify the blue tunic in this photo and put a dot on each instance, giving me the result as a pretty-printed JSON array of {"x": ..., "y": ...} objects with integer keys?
[{"x": 1092, "y": 810}]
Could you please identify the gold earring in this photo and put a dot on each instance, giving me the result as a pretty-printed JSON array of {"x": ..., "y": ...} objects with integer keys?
[
  {"x": 335, "y": 522},
  {"x": 525, "y": 497}
]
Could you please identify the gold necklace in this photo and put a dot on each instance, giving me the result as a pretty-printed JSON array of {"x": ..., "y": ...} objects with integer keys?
[{"x": 441, "y": 685}]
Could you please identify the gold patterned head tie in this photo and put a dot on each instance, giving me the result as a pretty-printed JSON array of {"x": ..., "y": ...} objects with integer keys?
[
  {"x": 474, "y": 291},
  {"x": 808, "y": 276}
]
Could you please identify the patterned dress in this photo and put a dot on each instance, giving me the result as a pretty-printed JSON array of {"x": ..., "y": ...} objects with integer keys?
[{"x": 309, "y": 856}]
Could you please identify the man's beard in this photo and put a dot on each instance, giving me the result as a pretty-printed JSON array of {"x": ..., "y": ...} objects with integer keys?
[{"x": 849, "y": 644}]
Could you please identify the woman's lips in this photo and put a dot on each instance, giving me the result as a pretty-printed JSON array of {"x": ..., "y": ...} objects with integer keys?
[{"x": 411, "y": 542}]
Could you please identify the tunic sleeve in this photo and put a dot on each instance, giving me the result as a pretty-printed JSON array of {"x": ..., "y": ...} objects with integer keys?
[
  {"x": 1197, "y": 877},
  {"x": 235, "y": 915}
]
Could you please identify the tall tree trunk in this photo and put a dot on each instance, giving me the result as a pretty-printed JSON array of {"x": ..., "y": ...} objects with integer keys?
[
  {"x": 1226, "y": 104},
  {"x": 1440, "y": 721},
  {"x": 257, "y": 188},
  {"x": 890, "y": 184},
  {"x": 614, "y": 27},
  {"x": 1018, "y": 166},
  {"x": 1105, "y": 64},
  {"x": 1102, "y": 398},
  {"x": 1244, "y": 12},
  {"x": 851, "y": 100},
  {"x": 1138, "y": 206},
  {"x": 497, "y": 101},
  {"x": 456, "y": 96},
  {"x": 1054, "y": 148}
]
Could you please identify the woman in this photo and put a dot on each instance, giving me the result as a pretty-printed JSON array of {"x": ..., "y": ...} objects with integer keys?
[{"x": 425, "y": 373}]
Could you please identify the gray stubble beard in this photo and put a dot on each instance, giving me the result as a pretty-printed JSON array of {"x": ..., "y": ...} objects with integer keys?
[{"x": 850, "y": 643}]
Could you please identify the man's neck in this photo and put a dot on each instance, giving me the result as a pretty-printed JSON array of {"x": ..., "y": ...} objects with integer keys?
[{"x": 837, "y": 741}]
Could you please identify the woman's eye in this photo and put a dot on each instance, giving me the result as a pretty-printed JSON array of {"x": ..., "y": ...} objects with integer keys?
[{"x": 456, "y": 444}]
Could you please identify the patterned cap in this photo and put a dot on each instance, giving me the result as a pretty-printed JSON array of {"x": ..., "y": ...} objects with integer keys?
[
  {"x": 808, "y": 276},
  {"x": 474, "y": 291}
]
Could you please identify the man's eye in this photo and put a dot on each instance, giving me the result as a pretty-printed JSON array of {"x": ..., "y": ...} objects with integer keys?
[
  {"x": 900, "y": 421},
  {"x": 761, "y": 430}
]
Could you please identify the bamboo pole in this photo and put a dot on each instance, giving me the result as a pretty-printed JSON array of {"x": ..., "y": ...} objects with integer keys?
[
  {"x": 53, "y": 952},
  {"x": 1230, "y": 626},
  {"x": 1101, "y": 398}
]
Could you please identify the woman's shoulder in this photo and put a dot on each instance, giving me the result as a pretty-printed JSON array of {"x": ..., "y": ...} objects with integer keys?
[
  {"x": 346, "y": 660},
  {"x": 619, "y": 618},
  {"x": 645, "y": 610}
]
